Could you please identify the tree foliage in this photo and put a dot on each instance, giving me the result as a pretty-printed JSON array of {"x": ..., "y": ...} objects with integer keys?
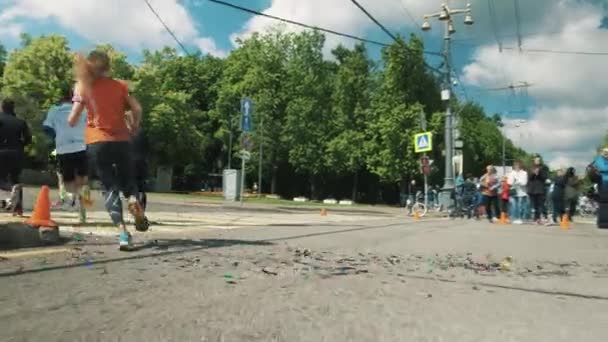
[{"x": 328, "y": 126}]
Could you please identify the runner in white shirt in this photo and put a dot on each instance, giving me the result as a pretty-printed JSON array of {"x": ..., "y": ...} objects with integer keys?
[{"x": 71, "y": 150}]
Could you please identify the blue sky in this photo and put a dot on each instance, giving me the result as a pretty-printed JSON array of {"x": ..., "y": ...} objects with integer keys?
[{"x": 561, "y": 103}]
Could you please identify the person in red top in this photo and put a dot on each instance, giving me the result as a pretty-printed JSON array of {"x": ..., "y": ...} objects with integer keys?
[
  {"x": 489, "y": 189},
  {"x": 505, "y": 194},
  {"x": 107, "y": 136}
]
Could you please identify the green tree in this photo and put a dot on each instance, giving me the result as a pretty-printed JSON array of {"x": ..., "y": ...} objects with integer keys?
[
  {"x": 257, "y": 69},
  {"x": 40, "y": 71},
  {"x": 308, "y": 112},
  {"x": 483, "y": 140},
  {"x": 3, "y": 55},
  {"x": 350, "y": 102},
  {"x": 406, "y": 88},
  {"x": 177, "y": 93},
  {"x": 36, "y": 76}
]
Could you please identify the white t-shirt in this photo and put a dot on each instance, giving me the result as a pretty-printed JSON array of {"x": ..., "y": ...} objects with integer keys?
[
  {"x": 518, "y": 180},
  {"x": 67, "y": 139}
]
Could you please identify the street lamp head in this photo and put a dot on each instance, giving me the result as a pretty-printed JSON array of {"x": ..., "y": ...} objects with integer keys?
[
  {"x": 426, "y": 26},
  {"x": 468, "y": 19},
  {"x": 444, "y": 15},
  {"x": 451, "y": 28}
]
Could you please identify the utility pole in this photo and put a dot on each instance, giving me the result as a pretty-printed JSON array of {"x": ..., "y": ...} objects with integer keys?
[
  {"x": 446, "y": 15},
  {"x": 260, "y": 157},
  {"x": 230, "y": 147}
]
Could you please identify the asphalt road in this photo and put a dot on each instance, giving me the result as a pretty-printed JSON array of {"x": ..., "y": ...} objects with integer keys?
[{"x": 375, "y": 279}]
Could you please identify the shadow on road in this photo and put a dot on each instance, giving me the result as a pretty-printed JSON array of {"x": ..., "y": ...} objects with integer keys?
[{"x": 159, "y": 248}]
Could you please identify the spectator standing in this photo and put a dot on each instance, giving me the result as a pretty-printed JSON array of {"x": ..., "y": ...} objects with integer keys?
[
  {"x": 505, "y": 194},
  {"x": 572, "y": 192},
  {"x": 537, "y": 190},
  {"x": 558, "y": 197},
  {"x": 518, "y": 180},
  {"x": 489, "y": 189}
]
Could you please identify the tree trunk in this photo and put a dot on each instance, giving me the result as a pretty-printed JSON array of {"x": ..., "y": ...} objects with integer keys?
[
  {"x": 312, "y": 188},
  {"x": 355, "y": 185},
  {"x": 273, "y": 182}
]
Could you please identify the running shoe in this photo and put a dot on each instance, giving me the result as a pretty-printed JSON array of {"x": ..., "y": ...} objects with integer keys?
[
  {"x": 85, "y": 193},
  {"x": 135, "y": 209},
  {"x": 124, "y": 241}
]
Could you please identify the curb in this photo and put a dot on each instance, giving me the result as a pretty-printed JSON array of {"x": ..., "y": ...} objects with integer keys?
[{"x": 20, "y": 235}]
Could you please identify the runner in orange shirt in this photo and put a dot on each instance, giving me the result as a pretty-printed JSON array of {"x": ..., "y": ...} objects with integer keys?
[{"x": 107, "y": 136}]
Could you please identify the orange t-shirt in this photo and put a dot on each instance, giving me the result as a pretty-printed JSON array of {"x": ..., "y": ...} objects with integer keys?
[{"x": 106, "y": 103}]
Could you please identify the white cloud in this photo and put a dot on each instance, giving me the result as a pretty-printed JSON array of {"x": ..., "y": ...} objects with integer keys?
[
  {"x": 207, "y": 45},
  {"x": 338, "y": 15},
  {"x": 569, "y": 91},
  {"x": 10, "y": 31},
  {"x": 565, "y": 136},
  {"x": 126, "y": 23}
]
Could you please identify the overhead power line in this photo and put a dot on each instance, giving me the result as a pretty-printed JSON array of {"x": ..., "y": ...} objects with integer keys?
[
  {"x": 408, "y": 13},
  {"x": 517, "y": 23},
  {"x": 167, "y": 27},
  {"x": 371, "y": 17},
  {"x": 494, "y": 22},
  {"x": 561, "y": 52},
  {"x": 549, "y": 51},
  {"x": 293, "y": 22}
]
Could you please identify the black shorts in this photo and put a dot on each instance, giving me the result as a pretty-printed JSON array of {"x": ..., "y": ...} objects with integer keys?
[
  {"x": 113, "y": 165},
  {"x": 72, "y": 165}
]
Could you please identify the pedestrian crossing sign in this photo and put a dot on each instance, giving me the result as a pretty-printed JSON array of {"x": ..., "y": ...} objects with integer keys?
[{"x": 423, "y": 142}]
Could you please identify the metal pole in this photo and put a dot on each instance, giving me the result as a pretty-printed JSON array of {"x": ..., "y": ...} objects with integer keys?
[
  {"x": 448, "y": 184},
  {"x": 230, "y": 147},
  {"x": 424, "y": 156},
  {"x": 426, "y": 188},
  {"x": 242, "y": 179},
  {"x": 260, "y": 157}
]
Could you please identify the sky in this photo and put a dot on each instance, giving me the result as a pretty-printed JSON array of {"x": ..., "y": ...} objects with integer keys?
[{"x": 563, "y": 114}]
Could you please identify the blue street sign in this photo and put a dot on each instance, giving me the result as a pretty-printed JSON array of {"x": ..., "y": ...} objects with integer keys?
[
  {"x": 247, "y": 115},
  {"x": 423, "y": 142}
]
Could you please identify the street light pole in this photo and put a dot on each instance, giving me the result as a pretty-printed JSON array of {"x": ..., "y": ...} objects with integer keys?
[
  {"x": 448, "y": 183},
  {"x": 230, "y": 147},
  {"x": 260, "y": 157},
  {"x": 446, "y": 14}
]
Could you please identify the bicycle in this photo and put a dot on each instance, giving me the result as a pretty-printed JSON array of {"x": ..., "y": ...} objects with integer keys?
[{"x": 417, "y": 207}]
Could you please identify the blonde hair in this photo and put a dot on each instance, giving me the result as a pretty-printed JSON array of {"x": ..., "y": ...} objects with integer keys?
[{"x": 88, "y": 69}]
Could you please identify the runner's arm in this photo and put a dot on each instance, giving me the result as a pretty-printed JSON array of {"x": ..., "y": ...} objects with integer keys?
[
  {"x": 74, "y": 117},
  {"x": 77, "y": 107},
  {"x": 135, "y": 113}
]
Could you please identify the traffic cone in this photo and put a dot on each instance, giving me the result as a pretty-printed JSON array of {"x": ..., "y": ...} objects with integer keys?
[
  {"x": 565, "y": 224},
  {"x": 42, "y": 211},
  {"x": 323, "y": 212},
  {"x": 416, "y": 215},
  {"x": 503, "y": 218}
]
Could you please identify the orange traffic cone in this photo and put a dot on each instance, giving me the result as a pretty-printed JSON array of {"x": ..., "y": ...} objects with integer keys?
[
  {"x": 565, "y": 224},
  {"x": 416, "y": 215},
  {"x": 42, "y": 211},
  {"x": 323, "y": 212},
  {"x": 503, "y": 218}
]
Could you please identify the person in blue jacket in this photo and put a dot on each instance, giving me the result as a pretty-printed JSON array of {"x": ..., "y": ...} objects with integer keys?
[{"x": 599, "y": 175}]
